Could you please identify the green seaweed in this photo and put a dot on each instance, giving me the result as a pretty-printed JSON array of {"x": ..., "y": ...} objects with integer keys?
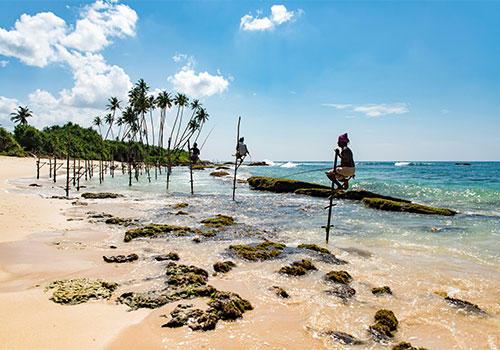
[
  {"x": 155, "y": 230},
  {"x": 405, "y": 346},
  {"x": 315, "y": 248},
  {"x": 293, "y": 270},
  {"x": 262, "y": 251},
  {"x": 100, "y": 195},
  {"x": 180, "y": 206},
  {"x": 218, "y": 221},
  {"x": 224, "y": 267},
  {"x": 385, "y": 324},
  {"x": 280, "y": 292},
  {"x": 219, "y": 173},
  {"x": 342, "y": 277},
  {"x": 228, "y": 305},
  {"x": 119, "y": 221},
  {"x": 382, "y": 290},
  {"x": 389, "y": 205},
  {"x": 80, "y": 290}
]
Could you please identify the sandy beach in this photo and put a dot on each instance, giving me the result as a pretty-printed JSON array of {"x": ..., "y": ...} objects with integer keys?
[{"x": 45, "y": 240}]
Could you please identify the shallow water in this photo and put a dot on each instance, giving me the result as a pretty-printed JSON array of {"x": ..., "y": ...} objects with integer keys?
[{"x": 461, "y": 257}]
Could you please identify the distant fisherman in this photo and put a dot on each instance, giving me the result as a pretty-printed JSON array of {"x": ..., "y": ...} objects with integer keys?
[
  {"x": 196, "y": 153},
  {"x": 346, "y": 169},
  {"x": 241, "y": 150}
]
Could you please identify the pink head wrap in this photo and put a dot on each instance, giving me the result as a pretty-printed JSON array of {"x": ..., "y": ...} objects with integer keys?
[{"x": 344, "y": 138}]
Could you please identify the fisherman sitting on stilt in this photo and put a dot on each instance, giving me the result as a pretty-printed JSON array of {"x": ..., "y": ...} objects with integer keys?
[
  {"x": 346, "y": 169},
  {"x": 196, "y": 153},
  {"x": 241, "y": 150}
]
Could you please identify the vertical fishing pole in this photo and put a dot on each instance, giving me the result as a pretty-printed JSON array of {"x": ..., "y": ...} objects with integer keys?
[
  {"x": 190, "y": 167},
  {"x": 331, "y": 200},
  {"x": 236, "y": 158}
]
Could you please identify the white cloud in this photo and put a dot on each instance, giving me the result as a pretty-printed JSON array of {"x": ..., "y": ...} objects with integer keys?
[
  {"x": 198, "y": 85},
  {"x": 7, "y": 106},
  {"x": 373, "y": 110},
  {"x": 44, "y": 38},
  {"x": 180, "y": 57},
  {"x": 4, "y": 63},
  {"x": 279, "y": 15}
]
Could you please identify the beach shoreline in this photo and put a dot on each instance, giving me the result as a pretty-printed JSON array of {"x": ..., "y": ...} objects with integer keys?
[{"x": 56, "y": 240}]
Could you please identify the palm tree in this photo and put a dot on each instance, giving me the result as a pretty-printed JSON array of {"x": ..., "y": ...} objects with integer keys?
[
  {"x": 113, "y": 105},
  {"x": 108, "y": 119},
  {"x": 201, "y": 117},
  {"x": 163, "y": 101},
  {"x": 98, "y": 122},
  {"x": 195, "y": 107},
  {"x": 20, "y": 116},
  {"x": 181, "y": 101},
  {"x": 151, "y": 107}
]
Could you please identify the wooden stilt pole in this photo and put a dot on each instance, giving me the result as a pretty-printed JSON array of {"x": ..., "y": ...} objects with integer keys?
[
  {"x": 67, "y": 165},
  {"x": 74, "y": 171},
  {"x": 50, "y": 167},
  {"x": 236, "y": 160},
  {"x": 55, "y": 167},
  {"x": 331, "y": 200},
  {"x": 79, "y": 169},
  {"x": 38, "y": 167},
  {"x": 190, "y": 167},
  {"x": 169, "y": 162}
]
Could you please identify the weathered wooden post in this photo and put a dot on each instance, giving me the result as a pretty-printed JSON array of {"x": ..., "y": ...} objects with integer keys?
[
  {"x": 190, "y": 167},
  {"x": 50, "y": 168},
  {"x": 67, "y": 164},
  {"x": 55, "y": 167},
  {"x": 74, "y": 171},
  {"x": 38, "y": 167},
  {"x": 79, "y": 170},
  {"x": 236, "y": 160},
  {"x": 331, "y": 200}
]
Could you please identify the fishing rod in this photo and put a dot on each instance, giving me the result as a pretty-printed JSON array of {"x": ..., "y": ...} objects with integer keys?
[{"x": 203, "y": 144}]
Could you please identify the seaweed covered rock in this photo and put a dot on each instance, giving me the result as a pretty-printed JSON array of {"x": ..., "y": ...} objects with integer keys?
[
  {"x": 344, "y": 338},
  {"x": 342, "y": 277},
  {"x": 359, "y": 195},
  {"x": 219, "y": 173},
  {"x": 228, "y": 306},
  {"x": 224, "y": 266},
  {"x": 405, "y": 346},
  {"x": 180, "y": 205},
  {"x": 324, "y": 253},
  {"x": 298, "y": 268},
  {"x": 382, "y": 290},
  {"x": 342, "y": 291},
  {"x": 385, "y": 324},
  {"x": 389, "y": 205},
  {"x": 280, "y": 185},
  {"x": 100, "y": 195},
  {"x": 196, "y": 319},
  {"x": 280, "y": 292},
  {"x": 464, "y": 305},
  {"x": 314, "y": 192},
  {"x": 80, "y": 290},
  {"x": 170, "y": 256},
  {"x": 219, "y": 221},
  {"x": 120, "y": 221},
  {"x": 183, "y": 275},
  {"x": 314, "y": 247},
  {"x": 262, "y": 251},
  {"x": 120, "y": 258},
  {"x": 154, "y": 230}
]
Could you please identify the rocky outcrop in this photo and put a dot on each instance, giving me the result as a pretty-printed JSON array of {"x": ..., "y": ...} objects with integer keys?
[
  {"x": 80, "y": 290},
  {"x": 154, "y": 230},
  {"x": 219, "y": 221},
  {"x": 100, "y": 195},
  {"x": 262, "y": 251},
  {"x": 323, "y": 253},
  {"x": 219, "y": 173},
  {"x": 464, "y": 305},
  {"x": 385, "y": 325},
  {"x": 280, "y": 292},
  {"x": 342, "y": 291},
  {"x": 280, "y": 185},
  {"x": 342, "y": 277},
  {"x": 344, "y": 338},
  {"x": 196, "y": 319},
  {"x": 405, "y": 346},
  {"x": 228, "y": 306},
  {"x": 170, "y": 256},
  {"x": 390, "y": 205},
  {"x": 120, "y": 258},
  {"x": 382, "y": 290},
  {"x": 298, "y": 268},
  {"x": 224, "y": 267}
]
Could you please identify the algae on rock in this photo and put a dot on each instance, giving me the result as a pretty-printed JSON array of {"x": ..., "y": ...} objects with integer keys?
[
  {"x": 298, "y": 268},
  {"x": 405, "y": 346},
  {"x": 154, "y": 230},
  {"x": 382, "y": 290},
  {"x": 100, "y": 195},
  {"x": 262, "y": 251},
  {"x": 80, "y": 290},
  {"x": 385, "y": 324},
  {"x": 224, "y": 267},
  {"x": 342, "y": 277},
  {"x": 389, "y": 205},
  {"x": 219, "y": 221}
]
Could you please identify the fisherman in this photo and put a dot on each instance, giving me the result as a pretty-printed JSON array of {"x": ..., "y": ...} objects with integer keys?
[
  {"x": 241, "y": 150},
  {"x": 195, "y": 153},
  {"x": 346, "y": 169}
]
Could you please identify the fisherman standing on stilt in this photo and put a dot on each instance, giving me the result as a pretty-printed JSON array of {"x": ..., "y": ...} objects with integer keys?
[
  {"x": 241, "y": 150},
  {"x": 346, "y": 169}
]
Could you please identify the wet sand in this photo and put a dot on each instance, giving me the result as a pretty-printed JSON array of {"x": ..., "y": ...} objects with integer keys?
[{"x": 47, "y": 247}]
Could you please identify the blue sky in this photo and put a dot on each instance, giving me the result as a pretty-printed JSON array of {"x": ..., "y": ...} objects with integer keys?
[{"x": 406, "y": 80}]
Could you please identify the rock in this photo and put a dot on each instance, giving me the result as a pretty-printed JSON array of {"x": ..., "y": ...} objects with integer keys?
[
  {"x": 262, "y": 251},
  {"x": 94, "y": 215},
  {"x": 148, "y": 300},
  {"x": 325, "y": 254},
  {"x": 229, "y": 306},
  {"x": 280, "y": 292},
  {"x": 385, "y": 324},
  {"x": 462, "y": 163},
  {"x": 258, "y": 164},
  {"x": 342, "y": 291},
  {"x": 113, "y": 247},
  {"x": 222, "y": 167},
  {"x": 280, "y": 185},
  {"x": 80, "y": 290},
  {"x": 100, "y": 195},
  {"x": 224, "y": 267},
  {"x": 464, "y": 305},
  {"x": 211, "y": 233},
  {"x": 154, "y": 230},
  {"x": 293, "y": 270},
  {"x": 196, "y": 319},
  {"x": 342, "y": 277},
  {"x": 170, "y": 256},
  {"x": 344, "y": 338},
  {"x": 180, "y": 206},
  {"x": 315, "y": 248},
  {"x": 218, "y": 221},
  {"x": 120, "y": 258},
  {"x": 196, "y": 240},
  {"x": 119, "y": 221},
  {"x": 405, "y": 346},
  {"x": 314, "y": 192},
  {"x": 388, "y": 205},
  {"x": 382, "y": 290},
  {"x": 180, "y": 212},
  {"x": 219, "y": 173},
  {"x": 183, "y": 275},
  {"x": 34, "y": 185},
  {"x": 306, "y": 264}
]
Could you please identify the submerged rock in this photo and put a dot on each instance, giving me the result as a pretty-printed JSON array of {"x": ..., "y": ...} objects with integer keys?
[
  {"x": 382, "y": 290},
  {"x": 315, "y": 248},
  {"x": 219, "y": 173},
  {"x": 180, "y": 206},
  {"x": 80, "y": 290},
  {"x": 154, "y": 230},
  {"x": 196, "y": 319},
  {"x": 224, "y": 267},
  {"x": 464, "y": 305},
  {"x": 229, "y": 306},
  {"x": 342, "y": 277},
  {"x": 280, "y": 292},
  {"x": 405, "y": 346},
  {"x": 183, "y": 275},
  {"x": 325, "y": 254},
  {"x": 298, "y": 268},
  {"x": 389, "y": 205},
  {"x": 219, "y": 221},
  {"x": 342, "y": 291},
  {"x": 120, "y": 221},
  {"x": 344, "y": 338},
  {"x": 258, "y": 164},
  {"x": 262, "y": 251},
  {"x": 170, "y": 256},
  {"x": 100, "y": 195},
  {"x": 385, "y": 324},
  {"x": 120, "y": 258}
]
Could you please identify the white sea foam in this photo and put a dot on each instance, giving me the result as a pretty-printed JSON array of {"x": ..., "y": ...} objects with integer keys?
[
  {"x": 269, "y": 162},
  {"x": 289, "y": 165},
  {"x": 402, "y": 163}
]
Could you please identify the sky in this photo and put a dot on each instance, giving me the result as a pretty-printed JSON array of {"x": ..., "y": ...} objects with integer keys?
[{"x": 407, "y": 80}]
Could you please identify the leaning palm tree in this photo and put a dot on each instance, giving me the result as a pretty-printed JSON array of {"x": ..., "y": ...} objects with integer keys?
[
  {"x": 113, "y": 105},
  {"x": 189, "y": 130},
  {"x": 163, "y": 101},
  {"x": 20, "y": 116},
  {"x": 151, "y": 106},
  {"x": 201, "y": 117},
  {"x": 98, "y": 122},
  {"x": 181, "y": 101},
  {"x": 109, "y": 119}
]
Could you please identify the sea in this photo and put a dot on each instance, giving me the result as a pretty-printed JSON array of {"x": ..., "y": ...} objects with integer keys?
[{"x": 422, "y": 257}]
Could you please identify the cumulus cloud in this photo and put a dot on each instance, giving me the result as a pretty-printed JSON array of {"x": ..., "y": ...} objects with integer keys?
[
  {"x": 4, "y": 63},
  {"x": 7, "y": 106},
  {"x": 44, "y": 38},
  {"x": 279, "y": 15},
  {"x": 373, "y": 110},
  {"x": 198, "y": 85}
]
